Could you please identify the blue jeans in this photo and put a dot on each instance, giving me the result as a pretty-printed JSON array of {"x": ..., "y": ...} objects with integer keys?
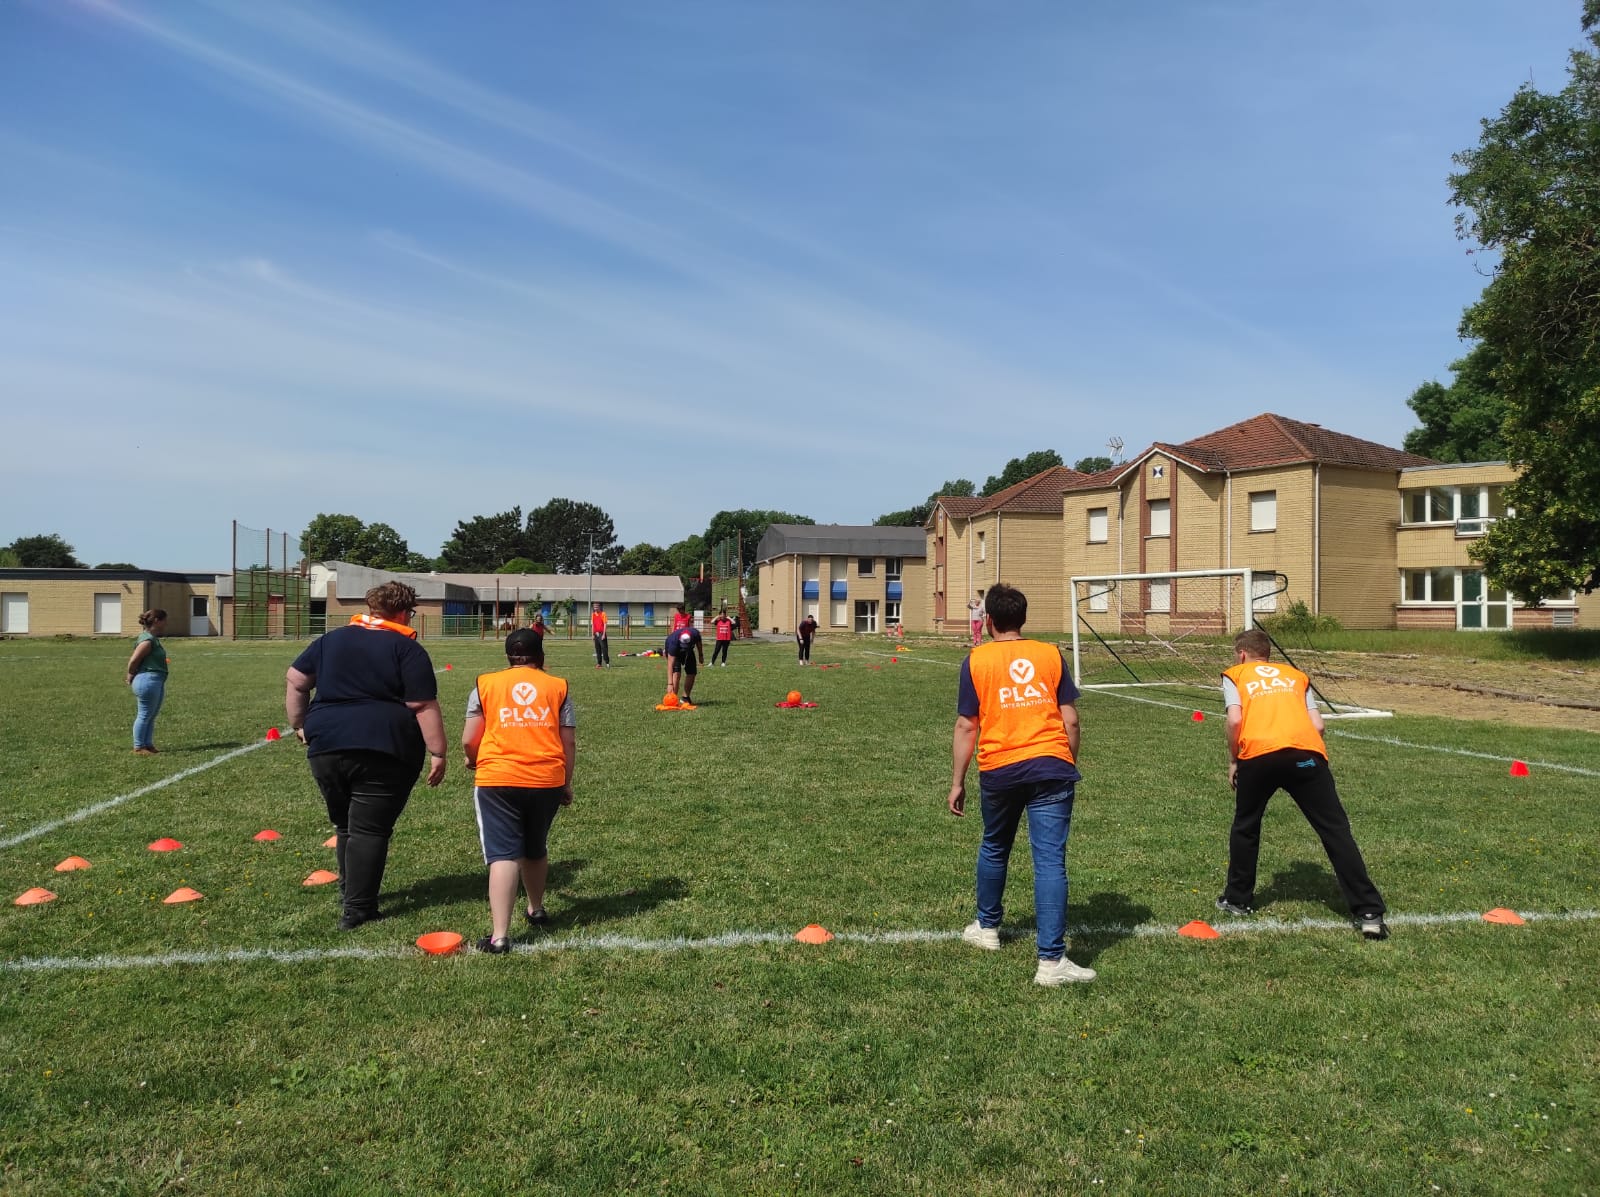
[
  {"x": 149, "y": 689},
  {"x": 1048, "y": 805}
]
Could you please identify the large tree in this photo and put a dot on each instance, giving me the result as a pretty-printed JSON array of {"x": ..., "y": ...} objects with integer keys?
[
  {"x": 1462, "y": 421},
  {"x": 750, "y": 527},
  {"x": 645, "y": 560},
  {"x": 565, "y": 533},
  {"x": 331, "y": 537},
  {"x": 1019, "y": 468},
  {"x": 1530, "y": 194},
  {"x": 1092, "y": 465},
  {"x": 46, "y": 551},
  {"x": 484, "y": 543}
]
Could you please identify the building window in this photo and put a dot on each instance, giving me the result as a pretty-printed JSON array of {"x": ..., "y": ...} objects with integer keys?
[
  {"x": 1099, "y": 596},
  {"x": 838, "y": 568},
  {"x": 839, "y": 613},
  {"x": 1263, "y": 595},
  {"x": 1470, "y": 508},
  {"x": 1264, "y": 511},
  {"x": 1430, "y": 585},
  {"x": 1099, "y": 525},
  {"x": 864, "y": 566},
  {"x": 108, "y": 614},
  {"x": 891, "y": 613},
  {"x": 1161, "y": 595},
  {"x": 1160, "y": 517},
  {"x": 866, "y": 615},
  {"x": 892, "y": 567},
  {"x": 14, "y": 614},
  {"x": 982, "y": 548}
]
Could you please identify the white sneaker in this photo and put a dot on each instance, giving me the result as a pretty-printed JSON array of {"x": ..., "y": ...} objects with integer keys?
[
  {"x": 1059, "y": 972},
  {"x": 979, "y": 936}
]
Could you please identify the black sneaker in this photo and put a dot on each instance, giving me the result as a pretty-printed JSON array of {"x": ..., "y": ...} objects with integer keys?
[
  {"x": 537, "y": 918},
  {"x": 351, "y": 921},
  {"x": 1373, "y": 926},
  {"x": 1234, "y": 907},
  {"x": 493, "y": 946}
]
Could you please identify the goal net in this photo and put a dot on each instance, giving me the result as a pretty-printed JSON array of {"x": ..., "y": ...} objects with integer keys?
[{"x": 1174, "y": 632}]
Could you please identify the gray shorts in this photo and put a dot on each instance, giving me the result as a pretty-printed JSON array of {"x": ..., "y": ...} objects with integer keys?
[{"x": 514, "y": 821}]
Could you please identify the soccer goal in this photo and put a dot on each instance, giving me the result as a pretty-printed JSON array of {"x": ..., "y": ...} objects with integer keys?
[{"x": 1174, "y": 631}]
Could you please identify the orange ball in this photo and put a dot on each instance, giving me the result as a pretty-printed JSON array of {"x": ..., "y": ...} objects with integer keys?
[
  {"x": 671, "y": 700},
  {"x": 794, "y": 696}
]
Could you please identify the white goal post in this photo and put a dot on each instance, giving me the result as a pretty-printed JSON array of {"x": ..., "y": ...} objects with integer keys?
[{"x": 1175, "y": 628}]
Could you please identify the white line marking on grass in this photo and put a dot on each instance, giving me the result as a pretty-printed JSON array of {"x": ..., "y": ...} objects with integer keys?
[
  {"x": 737, "y": 939},
  {"x": 1350, "y": 735},
  {"x": 79, "y": 816},
  {"x": 868, "y": 652},
  {"x": 1486, "y": 756}
]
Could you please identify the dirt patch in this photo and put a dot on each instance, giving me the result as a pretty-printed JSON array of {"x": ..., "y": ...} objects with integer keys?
[{"x": 1527, "y": 693}]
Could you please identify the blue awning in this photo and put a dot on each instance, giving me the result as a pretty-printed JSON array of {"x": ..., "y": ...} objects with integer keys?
[
  {"x": 810, "y": 590},
  {"x": 838, "y": 590},
  {"x": 894, "y": 593}
]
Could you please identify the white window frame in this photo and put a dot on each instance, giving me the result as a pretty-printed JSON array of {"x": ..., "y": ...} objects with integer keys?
[
  {"x": 866, "y": 567},
  {"x": 893, "y": 568},
  {"x": 1264, "y": 595},
  {"x": 866, "y": 615},
  {"x": 1486, "y": 494},
  {"x": 1162, "y": 507},
  {"x": 1099, "y": 597},
  {"x": 1160, "y": 596},
  {"x": 891, "y": 612},
  {"x": 839, "y": 613},
  {"x": 1263, "y": 511},
  {"x": 1102, "y": 516},
  {"x": 983, "y": 548},
  {"x": 12, "y": 604}
]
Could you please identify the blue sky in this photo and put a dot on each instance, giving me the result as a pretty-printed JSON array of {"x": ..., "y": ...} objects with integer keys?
[{"x": 418, "y": 262}]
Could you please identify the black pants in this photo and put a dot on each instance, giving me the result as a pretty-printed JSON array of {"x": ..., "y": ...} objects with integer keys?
[
  {"x": 805, "y": 647},
  {"x": 602, "y": 650},
  {"x": 365, "y": 792},
  {"x": 719, "y": 649},
  {"x": 1306, "y": 778}
]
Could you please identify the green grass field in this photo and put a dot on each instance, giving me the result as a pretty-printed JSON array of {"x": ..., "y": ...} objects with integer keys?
[{"x": 637, "y": 1050}]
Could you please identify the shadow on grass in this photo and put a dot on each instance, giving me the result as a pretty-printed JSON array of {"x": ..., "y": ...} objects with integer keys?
[
  {"x": 1108, "y": 918},
  {"x": 1302, "y": 881},
  {"x": 589, "y": 910},
  {"x": 568, "y": 909}
]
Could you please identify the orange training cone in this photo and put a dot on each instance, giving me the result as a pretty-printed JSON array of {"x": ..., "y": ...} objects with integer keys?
[
  {"x": 332, "y": 841},
  {"x": 813, "y": 933},
  {"x": 165, "y": 844},
  {"x": 1506, "y": 918},
  {"x": 439, "y": 943},
  {"x": 894, "y": 660},
  {"x": 1199, "y": 716},
  {"x": 320, "y": 877},
  {"x": 1519, "y": 768},
  {"x": 448, "y": 668},
  {"x": 34, "y": 897},
  {"x": 72, "y": 864},
  {"x": 274, "y": 734},
  {"x": 265, "y": 837},
  {"x": 182, "y": 894},
  {"x": 1199, "y": 930}
]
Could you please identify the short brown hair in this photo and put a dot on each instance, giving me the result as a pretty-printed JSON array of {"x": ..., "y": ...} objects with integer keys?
[
  {"x": 1255, "y": 643},
  {"x": 391, "y": 599},
  {"x": 152, "y": 617},
  {"x": 1007, "y": 607}
]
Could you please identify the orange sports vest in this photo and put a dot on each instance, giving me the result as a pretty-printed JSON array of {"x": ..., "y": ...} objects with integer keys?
[
  {"x": 597, "y": 622},
  {"x": 1272, "y": 703},
  {"x": 1018, "y": 716},
  {"x": 521, "y": 743}
]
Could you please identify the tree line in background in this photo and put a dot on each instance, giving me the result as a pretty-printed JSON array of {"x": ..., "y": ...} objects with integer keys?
[
  {"x": 48, "y": 551},
  {"x": 1528, "y": 390}
]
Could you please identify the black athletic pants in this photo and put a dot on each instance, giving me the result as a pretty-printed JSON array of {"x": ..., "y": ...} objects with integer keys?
[
  {"x": 365, "y": 792},
  {"x": 719, "y": 649},
  {"x": 805, "y": 647},
  {"x": 602, "y": 650},
  {"x": 1307, "y": 779}
]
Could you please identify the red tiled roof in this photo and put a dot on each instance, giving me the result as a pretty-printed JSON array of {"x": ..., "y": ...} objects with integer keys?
[
  {"x": 1264, "y": 441},
  {"x": 960, "y": 505},
  {"x": 1271, "y": 440},
  {"x": 1041, "y": 493}
]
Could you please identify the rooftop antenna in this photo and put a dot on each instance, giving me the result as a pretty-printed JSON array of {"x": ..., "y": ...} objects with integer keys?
[{"x": 1115, "y": 445}]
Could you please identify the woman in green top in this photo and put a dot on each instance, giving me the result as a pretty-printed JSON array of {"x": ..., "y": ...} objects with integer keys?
[{"x": 147, "y": 674}]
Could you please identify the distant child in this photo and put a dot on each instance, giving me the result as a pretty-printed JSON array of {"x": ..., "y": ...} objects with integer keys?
[
  {"x": 1275, "y": 743},
  {"x": 724, "y": 638},
  {"x": 803, "y": 635},
  {"x": 602, "y": 643}
]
